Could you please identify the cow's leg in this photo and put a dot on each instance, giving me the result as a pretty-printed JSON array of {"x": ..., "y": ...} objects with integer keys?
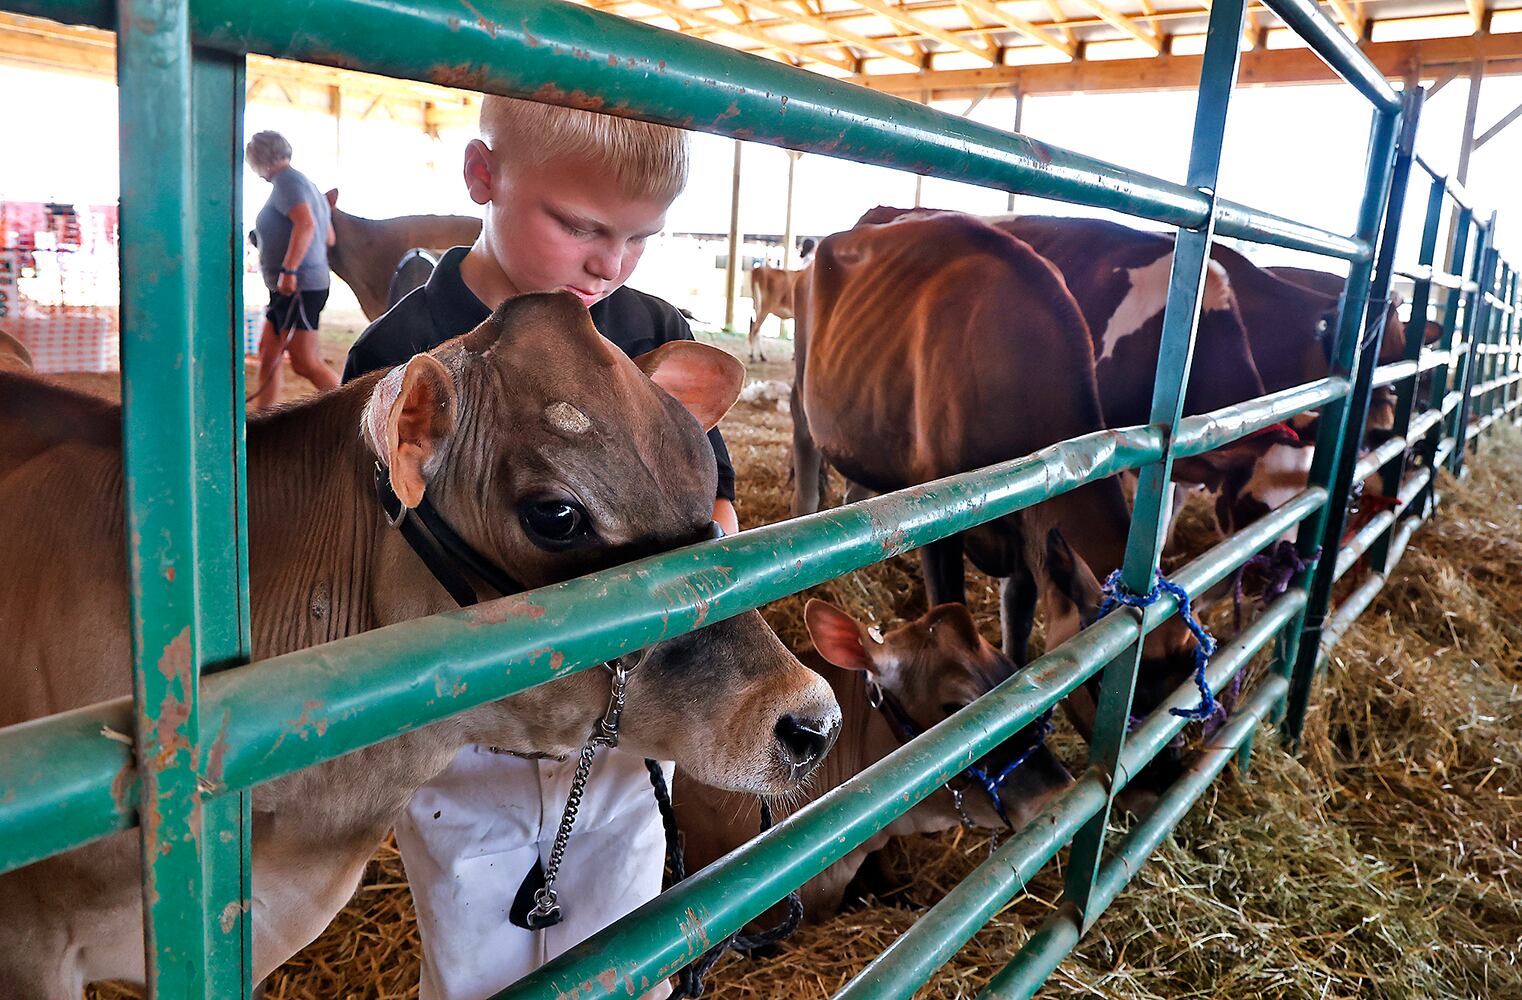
[
  {"x": 754, "y": 337},
  {"x": 855, "y": 492},
  {"x": 1017, "y": 613},
  {"x": 945, "y": 577},
  {"x": 808, "y": 462}
]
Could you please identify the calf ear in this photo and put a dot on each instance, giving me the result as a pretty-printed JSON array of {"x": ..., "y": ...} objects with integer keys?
[
  {"x": 704, "y": 379},
  {"x": 410, "y": 413},
  {"x": 838, "y": 637},
  {"x": 1433, "y": 332},
  {"x": 332, "y": 197}
]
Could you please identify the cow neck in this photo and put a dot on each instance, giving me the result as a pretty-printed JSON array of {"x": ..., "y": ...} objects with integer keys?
[{"x": 315, "y": 537}]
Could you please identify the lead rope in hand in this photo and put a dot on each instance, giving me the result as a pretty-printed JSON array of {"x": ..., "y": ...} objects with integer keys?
[{"x": 690, "y": 979}]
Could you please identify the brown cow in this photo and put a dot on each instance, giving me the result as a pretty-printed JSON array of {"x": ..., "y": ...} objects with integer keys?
[
  {"x": 367, "y": 252},
  {"x": 548, "y": 471},
  {"x": 771, "y": 293},
  {"x": 13, "y": 354},
  {"x": 1118, "y": 277},
  {"x": 902, "y": 377},
  {"x": 930, "y": 668}
]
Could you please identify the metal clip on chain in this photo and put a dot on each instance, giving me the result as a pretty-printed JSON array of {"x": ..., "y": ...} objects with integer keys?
[{"x": 546, "y": 911}]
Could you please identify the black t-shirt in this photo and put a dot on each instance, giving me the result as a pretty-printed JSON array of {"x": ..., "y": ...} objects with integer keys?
[{"x": 445, "y": 308}]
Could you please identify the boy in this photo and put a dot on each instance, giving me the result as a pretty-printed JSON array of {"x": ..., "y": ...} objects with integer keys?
[{"x": 570, "y": 198}]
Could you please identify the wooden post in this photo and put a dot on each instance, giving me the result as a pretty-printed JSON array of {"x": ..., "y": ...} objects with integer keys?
[
  {"x": 732, "y": 269},
  {"x": 787, "y": 215},
  {"x": 1019, "y": 125},
  {"x": 1466, "y": 142}
]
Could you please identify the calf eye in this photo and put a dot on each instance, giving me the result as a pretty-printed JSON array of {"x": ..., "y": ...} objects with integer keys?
[
  {"x": 553, "y": 524},
  {"x": 949, "y": 709}
]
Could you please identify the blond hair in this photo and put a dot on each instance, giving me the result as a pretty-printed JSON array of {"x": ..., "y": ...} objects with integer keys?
[{"x": 644, "y": 160}]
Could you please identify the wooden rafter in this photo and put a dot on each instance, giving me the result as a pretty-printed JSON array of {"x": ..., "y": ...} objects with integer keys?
[
  {"x": 915, "y": 23},
  {"x": 1496, "y": 129},
  {"x": 1121, "y": 22},
  {"x": 974, "y": 21},
  {"x": 1060, "y": 20},
  {"x": 1477, "y": 13},
  {"x": 1150, "y": 13},
  {"x": 989, "y": 8},
  {"x": 816, "y": 8},
  {"x": 745, "y": 30},
  {"x": 824, "y": 27},
  {"x": 1351, "y": 17}
]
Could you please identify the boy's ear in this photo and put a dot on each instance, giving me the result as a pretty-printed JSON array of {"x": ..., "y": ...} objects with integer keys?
[{"x": 478, "y": 171}]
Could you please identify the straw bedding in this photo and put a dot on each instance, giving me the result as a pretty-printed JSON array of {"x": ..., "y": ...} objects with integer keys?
[{"x": 1384, "y": 861}]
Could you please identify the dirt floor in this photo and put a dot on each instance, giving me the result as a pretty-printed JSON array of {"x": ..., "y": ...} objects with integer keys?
[{"x": 1381, "y": 862}]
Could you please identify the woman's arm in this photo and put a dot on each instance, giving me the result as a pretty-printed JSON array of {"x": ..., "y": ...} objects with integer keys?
[{"x": 303, "y": 228}]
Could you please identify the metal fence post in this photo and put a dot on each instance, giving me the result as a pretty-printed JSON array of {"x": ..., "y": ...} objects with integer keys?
[
  {"x": 158, "y": 269},
  {"x": 1175, "y": 354},
  {"x": 1477, "y": 325},
  {"x": 1342, "y": 421},
  {"x": 1406, "y": 392},
  {"x": 222, "y": 622}
]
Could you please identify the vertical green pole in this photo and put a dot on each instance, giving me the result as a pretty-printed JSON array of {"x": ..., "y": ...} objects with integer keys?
[
  {"x": 158, "y": 434},
  {"x": 1406, "y": 392},
  {"x": 1175, "y": 354},
  {"x": 1342, "y": 421},
  {"x": 1477, "y": 324},
  {"x": 217, "y": 82}
]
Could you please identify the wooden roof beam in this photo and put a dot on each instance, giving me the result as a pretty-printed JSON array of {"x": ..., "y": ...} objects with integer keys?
[
  {"x": 905, "y": 19},
  {"x": 1121, "y": 22},
  {"x": 744, "y": 30},
  {"x": 1351, "y": 17},
  {"x": 1502, "y": 53},
  {"x": 990, "y": 8},
  {"x": 827, "y": 29}
]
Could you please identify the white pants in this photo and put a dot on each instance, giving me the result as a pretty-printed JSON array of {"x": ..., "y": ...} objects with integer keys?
[{"x": 470, "y": 836}]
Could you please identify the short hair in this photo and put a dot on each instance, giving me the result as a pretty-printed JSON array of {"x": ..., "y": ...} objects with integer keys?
[
  {"x": 645, "y": 160},
  {"x": 266, "y": 149}
]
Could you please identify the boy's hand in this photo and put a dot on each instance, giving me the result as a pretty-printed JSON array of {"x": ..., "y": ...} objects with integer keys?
[
  {"x": 724, "y": 514},
  {"x": 286, "y": 285}
]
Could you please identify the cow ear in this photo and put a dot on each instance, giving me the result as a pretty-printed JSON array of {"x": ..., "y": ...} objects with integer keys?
[
  {"x": 704, "y": 379},
  {"x": 1433, "y": 332},
  {"x": 839, "y": 638},
  {"x": 332, "y": 197},
  {"x": 410, "y": 414}
]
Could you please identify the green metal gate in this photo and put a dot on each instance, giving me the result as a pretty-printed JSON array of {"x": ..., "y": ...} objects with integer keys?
[{"x": 202, "y": 736}]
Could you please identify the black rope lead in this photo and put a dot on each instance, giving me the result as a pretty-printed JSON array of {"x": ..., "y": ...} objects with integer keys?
[{"x": 690, "y": 979}]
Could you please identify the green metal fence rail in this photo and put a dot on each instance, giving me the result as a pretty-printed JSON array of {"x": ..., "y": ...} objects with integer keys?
[{"x": 65, "y": 782}]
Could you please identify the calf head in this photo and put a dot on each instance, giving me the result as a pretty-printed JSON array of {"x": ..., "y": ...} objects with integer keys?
[
  {"x": 553, "y": 455},
  {"x": 929, "y": 670},
  {"x": 1252, "y": 475}
]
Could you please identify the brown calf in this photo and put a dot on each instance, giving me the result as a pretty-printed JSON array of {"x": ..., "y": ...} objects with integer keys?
[
  {"x": 930, "y": 668},
  {"x": 771, "y": 293},
  {"x": 366, "y": 252},
  {"x": 542, "y": 445}
]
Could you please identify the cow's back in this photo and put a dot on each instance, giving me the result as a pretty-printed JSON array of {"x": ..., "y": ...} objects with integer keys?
[
  {"x": 62, "y": 547},
  {"x": 938, "y": 344}
]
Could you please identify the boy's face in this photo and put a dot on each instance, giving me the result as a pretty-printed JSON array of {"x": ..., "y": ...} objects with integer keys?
[{"x": 560, "y": 225}]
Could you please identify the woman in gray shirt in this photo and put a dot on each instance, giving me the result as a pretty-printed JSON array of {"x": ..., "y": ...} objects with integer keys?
[{"x": 294, "y": 260}]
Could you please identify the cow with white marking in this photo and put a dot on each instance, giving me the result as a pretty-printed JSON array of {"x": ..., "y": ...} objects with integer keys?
[{"x": 542, "y": 446}]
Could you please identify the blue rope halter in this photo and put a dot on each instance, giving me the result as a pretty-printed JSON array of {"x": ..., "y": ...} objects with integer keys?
[
  {"x": 993, "y": 782},
  {"x": 1205, "y": 644}
]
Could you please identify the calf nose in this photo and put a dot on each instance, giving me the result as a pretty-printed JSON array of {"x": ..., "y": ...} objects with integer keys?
[{"x": 805, "y": 740}]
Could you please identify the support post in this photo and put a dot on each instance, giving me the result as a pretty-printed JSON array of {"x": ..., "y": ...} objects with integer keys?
[
  {"x": 1467, "y": 137},
  {"x": 217, "y": 81},
  {"x": 1019, "y": 127},
  {"x": 1144, "y": 544},
  {"x": 787, "y": 216},
  {"x": 732, "y": 270},
  {"x": 1360, "y": 329},
  {"x": 160, "y": 360}
]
